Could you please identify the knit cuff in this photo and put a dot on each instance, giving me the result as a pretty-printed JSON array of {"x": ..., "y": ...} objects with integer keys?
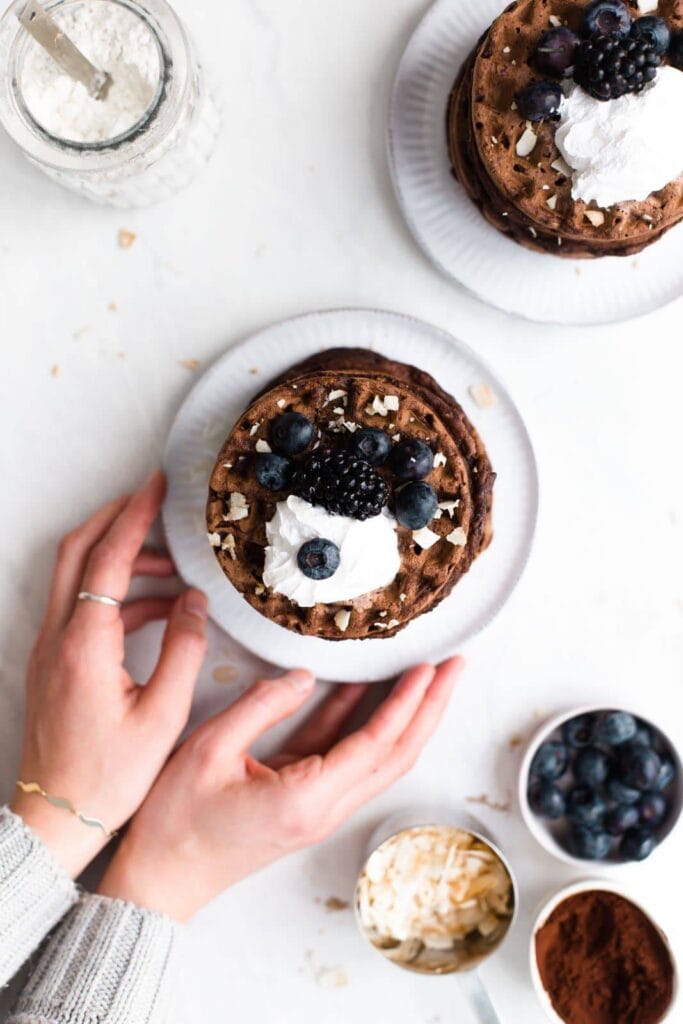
[
  {"x": 34, "y": 893},
  {"x": 108, "y": 961}
]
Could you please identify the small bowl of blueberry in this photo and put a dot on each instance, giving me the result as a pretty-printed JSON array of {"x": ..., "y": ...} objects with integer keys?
[{"x": 600, "y": 784}]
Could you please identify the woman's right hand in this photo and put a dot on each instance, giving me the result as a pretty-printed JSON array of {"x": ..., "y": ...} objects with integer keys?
[{"x": 216, "y": 814}]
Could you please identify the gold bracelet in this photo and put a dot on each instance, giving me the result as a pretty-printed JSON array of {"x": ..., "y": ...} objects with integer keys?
[{"x": 65, "y": 805}]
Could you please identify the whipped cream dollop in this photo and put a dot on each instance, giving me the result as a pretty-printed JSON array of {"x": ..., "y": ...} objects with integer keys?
[
  {"x": 369, "y": 556},
  {"x": 623, "y": 149}
]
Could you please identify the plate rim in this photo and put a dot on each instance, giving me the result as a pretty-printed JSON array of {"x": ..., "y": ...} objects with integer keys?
[
  {"x": 531, "y": 527},
  {"x": 391, "y": 133}
]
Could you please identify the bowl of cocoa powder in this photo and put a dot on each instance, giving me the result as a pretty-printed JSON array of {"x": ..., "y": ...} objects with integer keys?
[{"x": 598, "y": 957}]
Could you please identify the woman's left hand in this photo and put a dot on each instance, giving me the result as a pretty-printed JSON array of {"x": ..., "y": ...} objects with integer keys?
[{"x": 92, "y": 735}]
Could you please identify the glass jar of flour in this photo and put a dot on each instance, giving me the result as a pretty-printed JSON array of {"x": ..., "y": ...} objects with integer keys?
[{"x": 149, "y": 136}]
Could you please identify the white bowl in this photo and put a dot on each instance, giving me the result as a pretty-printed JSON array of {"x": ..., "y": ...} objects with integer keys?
[
  {"x": 539, "y": 827},
  {"x": 590, "y": 885}
]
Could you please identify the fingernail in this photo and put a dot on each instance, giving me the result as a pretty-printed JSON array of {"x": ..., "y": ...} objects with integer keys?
[
  {"x": 153, "y": 478},
  {"x": 195, "y": 603},
  {"x": 300, "y": 679}
]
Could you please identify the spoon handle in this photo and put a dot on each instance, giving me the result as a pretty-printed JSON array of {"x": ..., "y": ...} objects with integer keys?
[
  {"x": 48, "y": 34},
  {"x": 478, "y": 997}
]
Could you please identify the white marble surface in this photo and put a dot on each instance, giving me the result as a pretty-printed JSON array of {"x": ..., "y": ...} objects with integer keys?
[{"x": 296, "y": 212}]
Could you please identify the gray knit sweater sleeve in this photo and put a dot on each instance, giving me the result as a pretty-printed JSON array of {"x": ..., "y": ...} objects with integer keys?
[
  {"x": 108, "y": 962},
  {"x": 34, "y": 893}
]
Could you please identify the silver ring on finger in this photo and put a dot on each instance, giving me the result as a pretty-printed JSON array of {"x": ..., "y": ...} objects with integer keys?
[{"x": 85, "y": 595}]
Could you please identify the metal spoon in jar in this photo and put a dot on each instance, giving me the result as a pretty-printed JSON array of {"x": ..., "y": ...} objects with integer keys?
[{"x": 47, "y": 33}]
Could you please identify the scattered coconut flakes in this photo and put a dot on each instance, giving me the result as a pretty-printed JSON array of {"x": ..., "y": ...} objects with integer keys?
[
  {"x": 426, "y": 538},
  {"x": 526, "y": 143},
  {"x": 552, "y": 202},
  {"x": 533, "y": 232},
  {"x": 254, "y": 429},
  {"x": 647, "y": 218},
  {"x": 403, "y": 597},
  {"x": 449, "y": 506},
  {"x": 483, "y": 395},
  {"x": 214, "y": 539},
  {"x": 505, "y": 214},
  {"x": 342, "y": 620},
  {"x": 507, "y": 49},
  {"x": 227, "y": 465},
  {"x": 392, "y": 403},
  {"x": 383, "y": 615},
  {"x": 380, "y": 625},
  {"x": 546, "y": 188},
  {"x": 281, "y": 403},
  {"x": 229, "y": 546},
  {"x": 647, "y": 6},
  {"x": 559, "y": 240},
  {"x": 562, "y": 167},
  {"x": 126, "y": 238},
  {"x": 351, "y": 426},
  {"x": 263, "y": 446},
  {"x": 396, "y": 437},
  {"x": 438, "y": 514},
  {"x": 596, "y": 217},
  {"x": 513, "y": 105},
  {"x": 458, "y": 538},
  {"x": 494, "y": 140},
  {"x": 335, "y": 395},
  {"x": 393, "y": 623},
  {"x": 238, "y": 508},
  {"x": 338, "y": 411},
  {"x": 555, "y": 21},
  {"x": 259, "y": 589},
  {"x": 440, "y": 460}
]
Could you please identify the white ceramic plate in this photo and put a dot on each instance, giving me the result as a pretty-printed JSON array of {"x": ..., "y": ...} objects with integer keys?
[
  {"x": 219, "y": 399},
  {"x": 452, "y": 231}
]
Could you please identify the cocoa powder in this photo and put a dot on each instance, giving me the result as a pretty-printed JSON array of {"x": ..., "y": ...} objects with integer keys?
[{"x": 602, "y": 961}]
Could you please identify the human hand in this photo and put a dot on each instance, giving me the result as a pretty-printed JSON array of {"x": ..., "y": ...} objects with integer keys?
[
  {"x": 92, "y": 735},
  {"x": 216, "y": 814}
]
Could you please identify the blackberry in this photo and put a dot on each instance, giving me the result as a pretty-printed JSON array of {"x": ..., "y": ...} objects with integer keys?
[
  {"x": 340, "y": 482},
  {"x": 608, "y": 66}
]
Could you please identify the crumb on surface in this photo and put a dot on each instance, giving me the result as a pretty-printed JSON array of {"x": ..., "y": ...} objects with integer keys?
[
  {"x": 55, "y": 371},
  {"x": 126, "y": 238},
  {"x": 224, "y": 674},
  {"x": 189, "y": 364},
  {"x": 334, "y": 904},
  {"x": 484, "y": 800}
]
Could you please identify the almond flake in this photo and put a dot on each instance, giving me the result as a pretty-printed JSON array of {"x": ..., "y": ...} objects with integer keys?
[
  {"x": 338, "y": 411},
  {"x": 402, "y": 597},
  {"x": 458, "y": 538},
  {"x": 238, "y": 508},
  {"x": 555, "y": 21},
  {"x": 227, "y": 465},
  {"x": 438, "y": 514},
  {"x": 440, "y": 460},
  {"x": 351, "y": 426},
  {"x": 533, "y": 232},
  {"x": 259, "y": 589},
  {"x": 392, "y": 403},
  {"x": 263, "y": 446},
  {"x": 383, "y": 615},
  {"x": 507, "y": 49},
  {"x": 342, "y": 620},
  {"x": 426, "y": 538},
  {"x": 596, "y": 217},
  {"x": 380, "y": 625},
  {"x": 562, "y": 167},
  {"x": 552, "y": 202},
  {"x": 254, "y": 429},
  {"x": 526, "y": 143},
  {"x": 229, "y": 546},
  {"x": 396, "y": 437},
  {"x": 335, "y": 395},
  {"x": 647, "y": 6},
  {"x": 483, "y": 395},
  {"x": 281, "y": 403},
  {"x": 393, "y": 623},
  {"x": 214, "y": 539}
]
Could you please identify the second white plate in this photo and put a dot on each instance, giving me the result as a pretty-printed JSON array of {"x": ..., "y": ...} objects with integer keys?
[
  {"x": 219, "y": 399},
  {"x": 453, "y": 233}
]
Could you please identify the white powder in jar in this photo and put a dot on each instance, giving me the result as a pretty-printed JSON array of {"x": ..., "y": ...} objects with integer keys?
[{"x": 115, "y": 40}]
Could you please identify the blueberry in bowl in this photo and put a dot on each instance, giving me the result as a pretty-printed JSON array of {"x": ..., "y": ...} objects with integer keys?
[{"x": 601, "y": 784}]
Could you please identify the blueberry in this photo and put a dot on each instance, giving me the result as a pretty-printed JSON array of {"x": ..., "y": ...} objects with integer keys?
[
  {"x": 621, "y": 818},
  {"x": 591, "y": 766},
  {"x": 637, "y": 844},
  {"x": 643, "y": 735},
  {"x": 556, "y": 51},
  {"x": 607, "y": 18},
  {"x": 416, "y": 505},
  {"x": 373, "y": 445},
  {"x": 588, "y": 844},
  {"x": 291, "y": 433},
  {"x": 639, "y": 766},
  {"x": 622, "y": 794},
  {"x": 411, "y": 459},
  {"x": 540, "y": 101},
  {"x": 318, "y": 558},
  {"x": 274, "y": 472},
  {"x": 578, "y": 732},
  {"x": 586, "y": 807},
  {"x": 653, "y": 809},
  {"x": 547, "y": 800},
  {"x": 550, "y": 761},
  {"x": 667, "y": 773},
  {"x": 614, "y": 728},
  {"x": 676, "y": 50},
  {"x": 655, "y": 31}
]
